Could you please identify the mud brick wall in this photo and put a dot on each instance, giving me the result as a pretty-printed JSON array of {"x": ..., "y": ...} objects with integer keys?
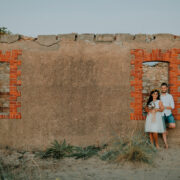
[
  {"x": 153, "y": 76},
  {"x": 84, "y": 88}
]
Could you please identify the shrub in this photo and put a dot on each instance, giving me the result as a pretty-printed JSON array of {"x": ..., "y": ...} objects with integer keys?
[
  {"x": 61, "y": 150},
  {"x": 56, "y": 150},
  {"x": 85, "y": 152},
  {"x": 3, "y": 30},
  {"x": 135, "y": 149}
]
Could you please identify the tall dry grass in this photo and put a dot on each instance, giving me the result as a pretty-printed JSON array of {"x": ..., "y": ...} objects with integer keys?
[
  {"x": 130, "y": 145},
  {"x": 23, "y": 172}
]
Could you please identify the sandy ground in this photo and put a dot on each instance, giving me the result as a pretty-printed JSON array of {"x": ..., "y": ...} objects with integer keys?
[{"x": 166, "y": 166}]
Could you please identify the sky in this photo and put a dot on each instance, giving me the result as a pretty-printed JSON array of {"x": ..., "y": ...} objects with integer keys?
[{"x": 35, "y": 17}]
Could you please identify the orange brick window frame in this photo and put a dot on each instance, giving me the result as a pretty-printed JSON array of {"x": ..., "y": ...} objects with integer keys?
[
  {"x": 139, "y": 56},
  {"x": 11, "y": 57}
]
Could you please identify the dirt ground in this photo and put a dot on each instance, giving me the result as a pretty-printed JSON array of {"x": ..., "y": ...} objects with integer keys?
[{"x": 26, "y": 165}]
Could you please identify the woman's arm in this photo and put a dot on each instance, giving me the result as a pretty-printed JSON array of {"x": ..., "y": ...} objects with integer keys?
[{"x": 147, "y": 109}]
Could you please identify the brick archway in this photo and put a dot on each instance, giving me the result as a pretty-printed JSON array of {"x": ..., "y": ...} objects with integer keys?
[{"x": 139, "y": 56}]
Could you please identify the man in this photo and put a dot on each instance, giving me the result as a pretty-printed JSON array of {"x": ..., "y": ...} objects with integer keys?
[{"x": 168, "y": 104}]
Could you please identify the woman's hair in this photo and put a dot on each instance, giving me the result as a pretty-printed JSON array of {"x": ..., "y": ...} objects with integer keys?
[{"x": 151, "y": 97}]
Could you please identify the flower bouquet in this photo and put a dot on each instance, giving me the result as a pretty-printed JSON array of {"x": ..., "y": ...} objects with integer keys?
[{"x": 151, "y": 106}]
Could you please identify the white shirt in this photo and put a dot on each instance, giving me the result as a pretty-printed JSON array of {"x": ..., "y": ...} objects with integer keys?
[{"x": 167, "y": 100}]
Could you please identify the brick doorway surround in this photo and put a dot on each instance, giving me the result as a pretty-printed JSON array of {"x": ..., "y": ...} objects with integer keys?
[
  {"x": 11, "y": 57},
  {"x": 172, "y": 56}
]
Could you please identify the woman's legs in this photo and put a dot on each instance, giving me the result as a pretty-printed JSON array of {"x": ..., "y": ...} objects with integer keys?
[
  {"x": 164, "y": 135},
  {"x": 155, "y": 136},
  {"x": 151, "y": 138}
]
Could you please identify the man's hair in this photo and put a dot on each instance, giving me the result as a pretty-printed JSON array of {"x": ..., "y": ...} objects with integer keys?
[{"x": 164, "y": 84}]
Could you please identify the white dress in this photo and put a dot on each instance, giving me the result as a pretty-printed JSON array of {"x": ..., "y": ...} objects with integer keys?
[{"x": 157, "y": 124}]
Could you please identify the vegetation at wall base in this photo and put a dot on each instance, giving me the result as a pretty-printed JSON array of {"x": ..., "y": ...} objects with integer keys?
[
  {"x": 56, "y": 150},
  {"x": 135, "y": 149},
  {"x": 60, "y": 150},
  {"x": 85, "y": 152},
  {"x": 22, "y": 172}
]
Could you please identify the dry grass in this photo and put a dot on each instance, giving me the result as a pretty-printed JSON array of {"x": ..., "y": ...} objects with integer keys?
[
  {"x": 22, "y": 172},
  {"x": 134, "y": 147}
]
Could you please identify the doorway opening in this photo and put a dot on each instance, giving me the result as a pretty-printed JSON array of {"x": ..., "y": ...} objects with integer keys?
[{"x": 154, "y": 74}]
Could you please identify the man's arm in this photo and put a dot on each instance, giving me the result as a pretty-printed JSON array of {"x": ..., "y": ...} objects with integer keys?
[
  {"x": 161, "y": 107},
  {"x": 171, "y": 104}
]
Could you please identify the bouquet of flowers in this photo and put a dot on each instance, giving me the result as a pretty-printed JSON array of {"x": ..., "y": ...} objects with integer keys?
[{"x": 151, "y": 105}]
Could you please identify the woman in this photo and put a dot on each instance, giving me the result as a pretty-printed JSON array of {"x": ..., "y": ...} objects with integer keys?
[{"x": 154, "y": 123}]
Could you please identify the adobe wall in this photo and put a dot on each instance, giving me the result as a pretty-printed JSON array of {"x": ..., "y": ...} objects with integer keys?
[{"x": 75, "y": 87}]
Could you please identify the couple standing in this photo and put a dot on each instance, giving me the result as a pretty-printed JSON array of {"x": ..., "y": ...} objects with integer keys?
[{"x": 159, "y": 114}]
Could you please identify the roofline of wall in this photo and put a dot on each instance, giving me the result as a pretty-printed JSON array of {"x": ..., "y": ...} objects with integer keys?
[{"x": 49, "y": 40}]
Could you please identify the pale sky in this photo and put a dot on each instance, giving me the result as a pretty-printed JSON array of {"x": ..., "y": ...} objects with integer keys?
[{"x": 34, "y": 17}]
